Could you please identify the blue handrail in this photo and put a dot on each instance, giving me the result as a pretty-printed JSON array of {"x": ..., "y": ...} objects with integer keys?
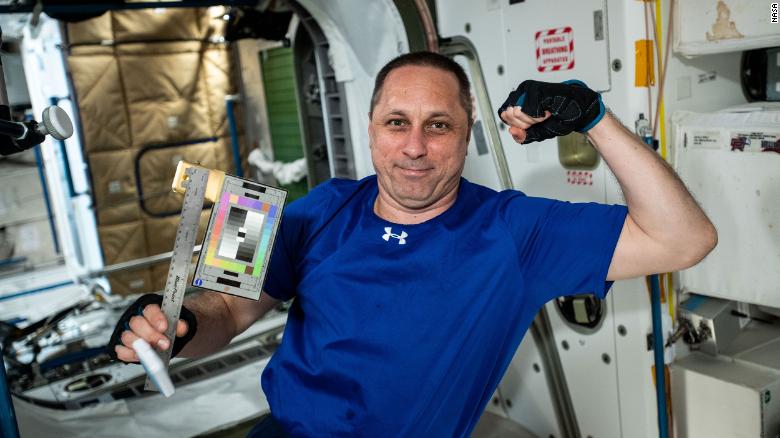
[
  {"x": 8, "y": 426},
  {"x": 12, "y": 261},
  {"x": 658, "y": 350},
  {"x": 229, "y": 105},
  {"x": 658, "y": 345},
  {"x": 37, "y": 290}
]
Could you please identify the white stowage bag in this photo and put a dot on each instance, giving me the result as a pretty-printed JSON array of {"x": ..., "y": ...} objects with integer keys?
[
  {"x": 730, "y": 161},
  {"x": 285, "y": 173}
]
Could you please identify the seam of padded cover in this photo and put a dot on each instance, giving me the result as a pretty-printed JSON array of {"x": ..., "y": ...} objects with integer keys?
[{"x": 138, "y": 179}]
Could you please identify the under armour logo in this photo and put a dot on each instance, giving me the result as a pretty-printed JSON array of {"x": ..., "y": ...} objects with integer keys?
[{"x": 389, "y": 233}]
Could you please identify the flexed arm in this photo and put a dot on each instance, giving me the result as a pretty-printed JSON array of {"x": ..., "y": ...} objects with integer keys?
[{"x": 665, "y": 229}]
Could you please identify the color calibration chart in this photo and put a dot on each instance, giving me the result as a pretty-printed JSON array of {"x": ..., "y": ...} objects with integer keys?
[{"x": 239, "y": 238}]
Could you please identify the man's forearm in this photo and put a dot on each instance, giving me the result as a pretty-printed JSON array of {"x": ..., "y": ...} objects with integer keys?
[
  {"x": 216, "y": 326},
  {"x": 659, "y": 204},
  {"x": 221, "y": 317}
]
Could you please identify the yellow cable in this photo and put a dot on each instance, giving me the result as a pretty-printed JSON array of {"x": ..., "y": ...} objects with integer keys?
[
  {"x": 659, "y": 32},
  {"x": 662, "y": 287}
]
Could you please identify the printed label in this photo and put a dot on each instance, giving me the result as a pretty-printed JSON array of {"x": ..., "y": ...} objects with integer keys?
[
  {"x": 705, "y": 140},
  {"x": 755, "y": 141},
  {"x": 555, "y": 49}
]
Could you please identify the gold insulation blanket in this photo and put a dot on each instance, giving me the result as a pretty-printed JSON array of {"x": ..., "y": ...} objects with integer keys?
[{"x": 150, "y": 86}]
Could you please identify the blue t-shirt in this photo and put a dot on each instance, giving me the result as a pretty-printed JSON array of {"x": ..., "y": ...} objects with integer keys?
[{"x": 406, "y": 330}]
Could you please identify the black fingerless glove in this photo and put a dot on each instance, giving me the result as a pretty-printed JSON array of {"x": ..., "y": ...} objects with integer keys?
[
  {"x": 137, "y": 308},
  {"x": 573, "y": 106}
]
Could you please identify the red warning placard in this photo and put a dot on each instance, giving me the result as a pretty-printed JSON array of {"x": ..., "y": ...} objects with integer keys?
[{"x": 555, "y": 49}]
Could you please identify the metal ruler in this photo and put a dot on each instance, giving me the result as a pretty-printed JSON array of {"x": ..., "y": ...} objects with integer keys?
[{"x": 195, "y": 183}]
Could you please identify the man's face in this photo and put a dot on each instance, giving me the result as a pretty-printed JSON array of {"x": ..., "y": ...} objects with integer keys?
[{"x": 419, "y": 136}]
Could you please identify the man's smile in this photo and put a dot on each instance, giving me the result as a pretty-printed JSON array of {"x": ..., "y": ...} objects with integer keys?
[{"x": 414, "y": 171}]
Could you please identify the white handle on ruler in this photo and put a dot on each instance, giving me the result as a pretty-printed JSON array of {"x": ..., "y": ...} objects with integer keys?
[{"x": 154, "y": 367}]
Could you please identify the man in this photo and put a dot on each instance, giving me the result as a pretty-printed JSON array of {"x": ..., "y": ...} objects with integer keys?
[{"x": 413, "y": 288}]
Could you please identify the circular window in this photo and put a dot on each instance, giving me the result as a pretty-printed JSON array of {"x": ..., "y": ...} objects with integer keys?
[{"x": 582, "y": 311}]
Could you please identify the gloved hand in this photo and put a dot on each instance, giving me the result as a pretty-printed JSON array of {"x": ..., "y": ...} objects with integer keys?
[
  {"x": 148, "y": 322},
  {"x": 556, "y": 109}
]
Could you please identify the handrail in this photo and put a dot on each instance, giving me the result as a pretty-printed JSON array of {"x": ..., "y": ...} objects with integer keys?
[
  {"x": 459, "y": 45},
  {"x": 429, "y": 28},
  {"x": 556, "y": 379},
  {"x": 132, "y": 264}
]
